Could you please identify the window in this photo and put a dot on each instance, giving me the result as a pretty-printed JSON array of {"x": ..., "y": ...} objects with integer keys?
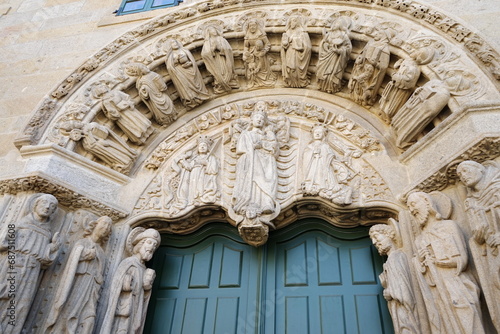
[{"x": 136, "y": 6}]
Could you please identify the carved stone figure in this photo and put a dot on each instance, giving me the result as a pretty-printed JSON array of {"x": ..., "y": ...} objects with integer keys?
[
  {"x": 483, "y": 211},
  {"x": 185, "y": 75},
  {"x": 254, "y": 194},
  {"x": 153, "y": 92},
  {"x": 103, "y": 143},
  {"x": 198, "y": 176},
  {"x": 295, "y": 53},
  {"x": 442, "y": 261},
  {"x": 257, "y": 62},
  {"x": 404, "y": 80},
  {"x": 369, "y": 69},
  {"x": 218, "y": 57},
  {"x": 325, "y": 174},
  {"x": 396, "y": 281},
  {"x": 75, "y": 304},
  {"x": 24, "y": 254},
  {"x": 119, "y": 107},
  {"x": 334, "y": 52},
  {"x": 422, "y": 107},
  {"x": 131, "y": 287}
]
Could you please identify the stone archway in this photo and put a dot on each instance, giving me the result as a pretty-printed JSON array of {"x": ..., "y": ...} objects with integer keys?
[{"x": 139, "y": 171}]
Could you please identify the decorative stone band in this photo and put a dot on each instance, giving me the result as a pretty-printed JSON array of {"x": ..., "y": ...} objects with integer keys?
[
  {"x": 485, "y": 149},
  {"x": 485, "y": 55},
  {"x": 67, "y": 196}
]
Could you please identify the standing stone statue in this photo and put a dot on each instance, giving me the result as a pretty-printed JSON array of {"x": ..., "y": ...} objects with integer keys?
[
  {"x": 295, "y": 53},
  {"x": 119, "y": 107},
  {"x": 483, "y": 212},
  {"x": 257, "y": 62},
  {"x": 325, "y": 175},
  {"x": 25, "y": 252},
  {"x": 256, "y": 169},
  {"x": 185, "y": 75},
  {"x": 396, "y": 281},
  {"x": 422, "y": 107},
  {"x": 404, "y": 80},
  {"x": 198, "y": 176},
  {"x": 131, "y": 285},
  {"x": 153, "y": 92},
  {"x": 102, "y": 143},
  {"x": 442, "y": 261},
  {"x": 218, "y": 57},
  {"x": 334, "y": 52},
  {"x": 369, "y": 69},
  {"x": 75, "y": 304}
]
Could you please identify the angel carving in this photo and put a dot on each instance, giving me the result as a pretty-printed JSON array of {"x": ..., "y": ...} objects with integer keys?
[{"x": 326, "y": 173}]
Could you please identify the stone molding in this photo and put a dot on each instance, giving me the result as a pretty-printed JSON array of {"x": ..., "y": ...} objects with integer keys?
[
  {"x": 424, "y": 15},
  {"x": 66, "y": 195}
]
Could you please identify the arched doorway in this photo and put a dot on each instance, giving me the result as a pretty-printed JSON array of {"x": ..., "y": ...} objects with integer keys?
[{"x": 310, "y": 277}]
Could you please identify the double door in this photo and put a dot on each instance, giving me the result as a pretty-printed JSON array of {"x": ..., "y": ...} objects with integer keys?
[{"x": 309, "y": 278}]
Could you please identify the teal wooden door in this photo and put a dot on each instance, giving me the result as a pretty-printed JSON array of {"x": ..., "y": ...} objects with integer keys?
[{"x": 318, "y": 279}]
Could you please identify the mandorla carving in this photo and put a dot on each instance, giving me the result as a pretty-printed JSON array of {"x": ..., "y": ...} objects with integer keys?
[
  {"x": 217, "y": 55},
  {"x": 369, "y": 69},
  {"x": 31, "y": 248},
  {"x": 395, "y": 278},
  {"x": 185, "y": 75},
  {"x": 131, "y": 284},
  {"x": 153, "y": 92},
  {"x": 102, "y": 143},
  {"x": 419, "y": 111},
  {"x": 257, "y": 61},
  {"x": 399, "y": 89},
  {"x": 195, "y": 176},
  {"x": 295, "y": 53},
  {"x": 334, "y": 52},
  {"x": 75, "y": 306},
  {"x": 326, "y": 173},
  {"x": 483, "y": 212},
  {"x": 441, "y": 262},
  {"x": 119, "y": 107}
]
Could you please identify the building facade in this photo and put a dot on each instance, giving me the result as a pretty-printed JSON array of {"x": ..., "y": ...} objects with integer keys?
[{"x": 259, "y": 148}]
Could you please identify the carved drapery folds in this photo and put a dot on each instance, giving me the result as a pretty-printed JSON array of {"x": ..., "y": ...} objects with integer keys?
[
  {"x": 152, "y": 90},
  {"x": 441, "y": 262},
  {"x": 399, "y": 290},
  {"x": 74, "y": 308},
  {"x": 483, "y": 207},
  {"x": 132, "y": 283},
  {"x": 251, "y": 165},
  {"x": 185, "y": 74},
  {"x": 27, "y": 247}
]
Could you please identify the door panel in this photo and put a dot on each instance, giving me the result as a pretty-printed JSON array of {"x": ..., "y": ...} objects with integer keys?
[
  {"x": 208, "y": 288},
  {"x": 327, "y": 285},
  {"x": 299, "y": 282}
]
